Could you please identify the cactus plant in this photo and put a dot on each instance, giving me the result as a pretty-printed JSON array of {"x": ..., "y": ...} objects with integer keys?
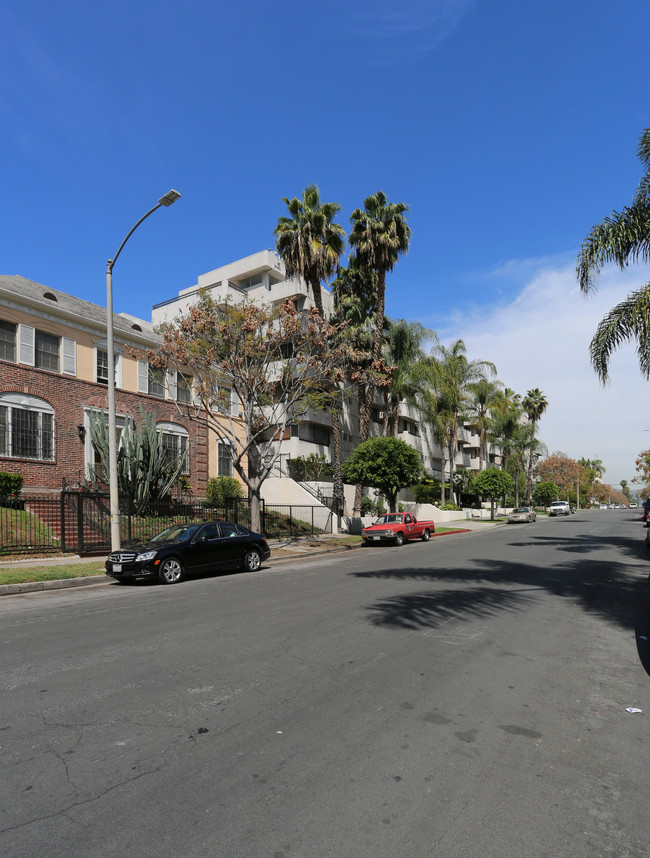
[{"x": 146, "y": 472}]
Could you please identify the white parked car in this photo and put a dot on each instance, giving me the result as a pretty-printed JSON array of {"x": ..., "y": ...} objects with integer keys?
[{"x": 560, "y": 508}]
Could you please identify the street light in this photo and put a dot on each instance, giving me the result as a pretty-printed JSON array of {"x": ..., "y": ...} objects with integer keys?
[{"x": 169, "y": 198}]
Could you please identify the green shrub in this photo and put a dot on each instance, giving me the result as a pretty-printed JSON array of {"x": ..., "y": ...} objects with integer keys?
[
  {"x": 372, "y": 507},
  {"x": 10, "y": 485},
  {"x": 451, "y": 506},
  {"x": 219, "y": 490},
  {"x": 312, "y": 467},
  {"x": 428, "y": 491}
]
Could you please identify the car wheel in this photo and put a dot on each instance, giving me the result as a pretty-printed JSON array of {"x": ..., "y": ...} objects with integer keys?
[
  {"x": 399, "y": 539},
  {"x": 426, "y": 536},
  {"x": 170, "y": 571},
  {"x": 252, "y": 560}
]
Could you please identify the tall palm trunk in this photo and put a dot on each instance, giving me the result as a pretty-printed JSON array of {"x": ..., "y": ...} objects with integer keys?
[
  {"x": 338, "y": 490},
  {"x": 364, "y": 424}
]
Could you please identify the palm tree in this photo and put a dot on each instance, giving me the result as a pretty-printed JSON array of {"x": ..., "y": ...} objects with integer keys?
[
  {"x": 309, "y": 242},
  {"x": 621, "y": 238},
  {"x": 379, "y": 236},
  {"x": 450, "y": 375},
  {"x": 354, "y": 291},
  {"x": 403, "y": 351},
  {"x": 483, "y": 396},
  {"x": 505, "y": 417},
  {"x": 534, "y": 404}
]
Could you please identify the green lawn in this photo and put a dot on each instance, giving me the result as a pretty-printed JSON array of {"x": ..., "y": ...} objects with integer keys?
[
  {"x": 51, "y": 573},
  {"x": 21, "y": 531}
]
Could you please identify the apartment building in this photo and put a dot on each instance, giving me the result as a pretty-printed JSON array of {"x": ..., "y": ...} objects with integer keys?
[
  {"x": 54, "y": 370},
  {"x": 261, "y": 278}
]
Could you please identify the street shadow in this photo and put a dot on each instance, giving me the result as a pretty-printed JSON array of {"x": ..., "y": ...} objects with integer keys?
[
  {"x": 585, "y": 544},
  {"x": 430, "y": 609},
  {"x": 609, "y": 591}
]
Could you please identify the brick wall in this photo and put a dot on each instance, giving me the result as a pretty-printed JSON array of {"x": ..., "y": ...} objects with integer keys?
[{"x": 69, "y": 396}]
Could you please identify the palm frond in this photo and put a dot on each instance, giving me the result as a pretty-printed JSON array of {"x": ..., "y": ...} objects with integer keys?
[
  {"x": 629, "y": 320},
  {"x": 621, "y": 238}
]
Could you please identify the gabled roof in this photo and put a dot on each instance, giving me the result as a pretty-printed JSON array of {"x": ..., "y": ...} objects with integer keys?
[{"x": 30, "y": 293}]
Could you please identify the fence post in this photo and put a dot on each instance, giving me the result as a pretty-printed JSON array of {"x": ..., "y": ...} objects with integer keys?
[
  {"x": 80, "y": 522},
  {"x": 62, "y": 528}
]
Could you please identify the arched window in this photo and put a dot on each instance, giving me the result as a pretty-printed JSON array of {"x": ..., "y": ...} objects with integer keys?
[
  {"x": 176, "y": 440},
  {"x": 26, "y": 427}
]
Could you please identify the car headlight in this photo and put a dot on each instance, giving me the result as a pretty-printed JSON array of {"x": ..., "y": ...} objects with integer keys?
[{"x": 146, "y": 555}]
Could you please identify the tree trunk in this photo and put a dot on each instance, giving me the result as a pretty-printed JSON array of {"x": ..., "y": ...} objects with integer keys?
[
  {"x": 337, "y": 489},
  {"x": 256, "y": 505},
  {"x": 364, "y": 424}
]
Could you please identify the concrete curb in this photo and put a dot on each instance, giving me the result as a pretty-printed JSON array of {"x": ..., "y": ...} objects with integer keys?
[{"x": 65, "y": 583}]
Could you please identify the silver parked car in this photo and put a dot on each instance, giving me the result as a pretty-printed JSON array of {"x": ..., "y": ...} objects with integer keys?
[{"x": 522, "y": 513}]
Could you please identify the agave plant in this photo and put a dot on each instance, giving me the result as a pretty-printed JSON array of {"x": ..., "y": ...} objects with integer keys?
[{"x": 146, "y": 471}]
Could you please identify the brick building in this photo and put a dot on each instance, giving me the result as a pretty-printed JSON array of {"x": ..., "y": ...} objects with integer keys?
[{"x": 54, "y": 374}]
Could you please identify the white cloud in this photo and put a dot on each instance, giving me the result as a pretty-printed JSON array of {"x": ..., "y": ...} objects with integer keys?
[
  {"x": 541, "y": 339},
  {"x": 408, "y": 29}
]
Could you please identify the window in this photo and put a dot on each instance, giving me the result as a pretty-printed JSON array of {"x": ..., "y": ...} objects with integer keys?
[
  {"x": 102, "y": 366},
  {"x": 8, "y": 341},
  {"x": 311, "y": 432},
  {"x": 183, "y": 389},
  {"x": 176, "y": 442},
  {"x": 228, "y": 530},
  {"x": 253, "y": 280},
  {"x": 26, "y": 427},
  {"x": 151, "y": 380},
  {"x": 46, "y": 351},
  {"x": 409, "y": 426},
  {"x": 224, "y": 459}
]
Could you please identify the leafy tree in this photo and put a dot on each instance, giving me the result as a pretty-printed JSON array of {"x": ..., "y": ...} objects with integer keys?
[
  {"x": 309, "y": 242},
  {"x": 220, "y": 490},
  {"x": 387, "y": 464},
  {"x": 545, "y": 493},
  {"x": 642, "y": 465},
  {"x": 427, "y": 491},
  {"x": 558, "y": 468},
  {"x": 621, "y": 238},
  {"x": 146, "y": 471},
  {"x": 492, "y": 483},
  {"x": 534, "y": 404},
  {"x": 278, "y": 363}
]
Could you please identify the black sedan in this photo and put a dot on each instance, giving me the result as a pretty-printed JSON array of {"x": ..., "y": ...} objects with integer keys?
[{"x": 184, "y": 549}]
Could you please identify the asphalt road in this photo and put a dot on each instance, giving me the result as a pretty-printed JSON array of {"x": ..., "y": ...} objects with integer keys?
[{"x": 460, "y": 698}]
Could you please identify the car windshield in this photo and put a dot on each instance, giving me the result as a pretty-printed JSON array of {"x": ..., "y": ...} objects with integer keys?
[
  {"x": 521, "y": 509},
  {"x": 394, "y": 518},
  {"x": 176, "y": 533}
]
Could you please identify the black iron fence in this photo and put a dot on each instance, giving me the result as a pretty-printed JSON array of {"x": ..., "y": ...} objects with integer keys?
[{"x": 79, "y": 522}]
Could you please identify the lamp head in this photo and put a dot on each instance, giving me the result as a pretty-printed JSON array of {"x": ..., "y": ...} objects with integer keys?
[{"x": 169, "y": 198}]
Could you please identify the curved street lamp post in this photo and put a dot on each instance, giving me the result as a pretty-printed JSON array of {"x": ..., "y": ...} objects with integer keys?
[{"x": 169, "y": 198}]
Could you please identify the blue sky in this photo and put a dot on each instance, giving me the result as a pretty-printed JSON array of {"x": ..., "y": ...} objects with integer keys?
[{"x": 508, "y": 128}]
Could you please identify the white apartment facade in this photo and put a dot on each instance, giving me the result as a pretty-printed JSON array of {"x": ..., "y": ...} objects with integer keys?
[{"x": 261, "y": 278}]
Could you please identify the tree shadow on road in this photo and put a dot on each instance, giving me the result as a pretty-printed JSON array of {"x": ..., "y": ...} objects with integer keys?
[{"x": 615, "y": 592}]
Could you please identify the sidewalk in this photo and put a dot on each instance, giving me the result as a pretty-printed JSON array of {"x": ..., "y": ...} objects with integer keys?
[{"x": 285, "y": 550}]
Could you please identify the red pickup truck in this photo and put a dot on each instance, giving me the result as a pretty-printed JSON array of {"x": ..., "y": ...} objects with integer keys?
[{"x": 397, "y": 527}]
